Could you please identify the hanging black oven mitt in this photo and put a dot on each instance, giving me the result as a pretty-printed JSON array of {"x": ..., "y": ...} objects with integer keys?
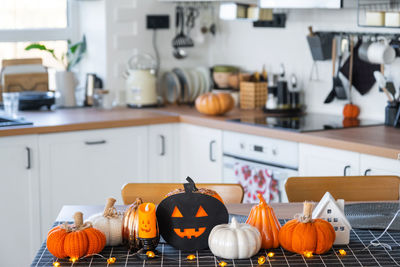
[{"x": 363, "y": 72}]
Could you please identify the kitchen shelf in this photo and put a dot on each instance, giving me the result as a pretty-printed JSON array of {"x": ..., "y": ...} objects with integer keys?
[{"x": 379, "y": 8}]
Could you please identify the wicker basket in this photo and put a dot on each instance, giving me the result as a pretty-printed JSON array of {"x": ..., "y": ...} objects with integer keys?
[{"x": 253, "y": 95}]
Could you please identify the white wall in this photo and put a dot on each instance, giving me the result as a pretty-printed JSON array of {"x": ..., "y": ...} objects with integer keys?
[{"x": 251, "y": 47}]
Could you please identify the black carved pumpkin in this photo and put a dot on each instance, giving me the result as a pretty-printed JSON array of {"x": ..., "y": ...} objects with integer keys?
[{"x": 186, "y": 217}]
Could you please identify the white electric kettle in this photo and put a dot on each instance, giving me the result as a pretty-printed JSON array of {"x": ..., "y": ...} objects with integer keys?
[{"x": 140, "y": 75}]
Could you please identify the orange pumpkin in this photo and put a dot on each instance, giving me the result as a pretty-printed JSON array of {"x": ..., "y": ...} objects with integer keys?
[
  {"x": 307, "y": 235},
  {"x": 351, "y": 111},
  {"x": 75, "y": 241},
  {"x": 350, "y": 122},
  {"x": 214, "y": 103},
  {"x": 262, "y": 216}
]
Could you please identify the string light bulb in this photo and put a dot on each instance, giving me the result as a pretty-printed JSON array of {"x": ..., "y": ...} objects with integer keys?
[
  {"x": 270, "y": 254},
  {"x": 261, "y": 260},
  {"x": 222, "y": 264},
  {"x": 73, "y": 259},
  {"x": 308, "y": 254},
  {"x": 342, "y": 252},
  {"x": 111, "y": 260},
  {"x": 150, "y": 254},
  {"x": 191, "y": 257},
  {"x": 56, "y": 264}
]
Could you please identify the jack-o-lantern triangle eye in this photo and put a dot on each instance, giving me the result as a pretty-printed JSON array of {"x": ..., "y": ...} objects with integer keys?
[
  {"x": 201, "y": 212},
  {"x": 176, "y": 213}
]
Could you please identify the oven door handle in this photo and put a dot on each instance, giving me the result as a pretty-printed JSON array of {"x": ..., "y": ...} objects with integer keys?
[{"x": 261, "y": 162}]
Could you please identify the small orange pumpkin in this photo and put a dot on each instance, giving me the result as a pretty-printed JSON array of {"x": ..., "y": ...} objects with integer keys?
[
  {"x": 130, "y": 225},
  {"x": 350, "y": 122},
  {"x": 351, "y": 111},
  {"x": 75, "y": 241},
  {"x": 214, "y": 103},
  {"x": 262, "y": 216},
  {"x": 307, "y": 235}
]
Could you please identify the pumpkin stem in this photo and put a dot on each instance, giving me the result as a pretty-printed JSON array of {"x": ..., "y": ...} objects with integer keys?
[
  {"x": 109, "y": 208},
  {"x": 262, "y": 200},
  {"x": 190, "y": 186},
  {"x": 234, "y": 223},
  {"x": 307, "y": 212},
  {"x": 78, "y": 219}
]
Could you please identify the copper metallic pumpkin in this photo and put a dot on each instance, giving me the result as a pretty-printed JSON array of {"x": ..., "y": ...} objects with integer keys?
[
  {"x": 262, "y": 216},
  {"x": 130, "y": 225},
  {"x": 307, "y": 235},
  {"x": 214, "y": 103},
  {"x": 75, "y": 241}
]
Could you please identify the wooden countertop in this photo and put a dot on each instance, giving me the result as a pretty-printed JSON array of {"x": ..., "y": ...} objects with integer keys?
[{"x": 374, "y": 140}]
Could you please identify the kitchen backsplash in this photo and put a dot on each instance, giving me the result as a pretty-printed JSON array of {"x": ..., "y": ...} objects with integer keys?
[{"x": 236, "y": 43}]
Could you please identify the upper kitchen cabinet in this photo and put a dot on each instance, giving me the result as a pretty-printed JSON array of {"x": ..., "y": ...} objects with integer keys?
[
  {"x": 372, "y": 165},
  {"x": 86, "y": 167},
  {"x": 19, "y": 193},
  {"x": 323, "y": 161},
  {"x": 200, "y": 154},
  {"x": 162, "y": 153},
  {"x": 301, "y": 3}
]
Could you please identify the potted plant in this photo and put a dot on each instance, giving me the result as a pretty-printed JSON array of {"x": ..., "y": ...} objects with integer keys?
[{"x": 66, "y": 80}]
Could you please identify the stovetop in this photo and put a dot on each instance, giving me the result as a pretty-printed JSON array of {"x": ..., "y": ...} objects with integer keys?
[{"x": 306, "y": 122}]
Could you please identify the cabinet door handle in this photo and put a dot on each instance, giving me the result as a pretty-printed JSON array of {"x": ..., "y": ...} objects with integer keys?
[
  {"x": 162, "y": 138},
  {"x": 211, "y": 151},
  {"x": 345, "y": 170},
  {"x": 367, "y": 171},
  {"x": 99, "y": 142},
  {"x": 28, "y": 156}
]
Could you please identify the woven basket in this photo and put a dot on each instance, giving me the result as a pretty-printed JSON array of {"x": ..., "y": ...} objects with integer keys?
[{"x": 253, "y": 95}]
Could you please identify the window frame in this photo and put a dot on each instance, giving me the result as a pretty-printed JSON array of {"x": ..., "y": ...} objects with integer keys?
[{"x": 46, "y": 34}]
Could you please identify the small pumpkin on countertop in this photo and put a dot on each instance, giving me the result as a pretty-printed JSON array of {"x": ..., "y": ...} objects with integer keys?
[
  {"x": 75, "y": 240},
  {"x": 234, "y": 240},
  {"x": 307, "y": 235},
  {"x": 109, "y": 223},
  {"x": 351, "y": 111},
  {"x": 214, "y": 103},
  {"x": 262, "y": 216},
  {"x": 130, "y": 225},
  {"x": 186, "y": 217}
]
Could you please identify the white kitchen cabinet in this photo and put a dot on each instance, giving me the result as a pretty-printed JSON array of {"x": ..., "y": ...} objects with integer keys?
[
  {"x": 323, "y": 161},
  {"x": 86, "y": 167},
  {"x": 373, "y": 165},
  {"x": 19, "y": 195},
  {"x": 200, "y": 154},
  {"x": 162, "y": 152}
]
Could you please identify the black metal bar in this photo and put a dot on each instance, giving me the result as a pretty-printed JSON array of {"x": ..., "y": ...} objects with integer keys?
[
  {"x": 162, "y": 145},
  {"x": 28, "y": 153},
  {"x": 211, "y": 151},
  {"x": 100, "y": 142}
]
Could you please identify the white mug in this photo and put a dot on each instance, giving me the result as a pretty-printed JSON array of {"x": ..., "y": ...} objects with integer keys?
[{"x": 381, "y": 53}]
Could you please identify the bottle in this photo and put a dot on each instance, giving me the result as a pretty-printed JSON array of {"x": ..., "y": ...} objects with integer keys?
[{"x": 282, "y": 91}]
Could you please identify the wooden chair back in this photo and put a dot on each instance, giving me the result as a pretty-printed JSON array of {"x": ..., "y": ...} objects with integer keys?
[
  {"x": 155, "y": 192},
  {"x": 349, "y": 188}
]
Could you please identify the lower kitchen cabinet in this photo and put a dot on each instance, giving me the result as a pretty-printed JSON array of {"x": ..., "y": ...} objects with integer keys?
[
  {"x": 19, "y": 195},
  {"x": 372, "y": 165},
  {"x": 323, "y": 161},
  {"x": 163, "y": 152},
  {"x": 200, "y": 154},
  {"x": 86, "y": 167}
]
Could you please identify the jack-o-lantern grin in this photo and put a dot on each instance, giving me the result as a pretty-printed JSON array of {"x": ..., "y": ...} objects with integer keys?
[
  {"x": 189, "y": 232},
  {"x": 145, "y": 230}
]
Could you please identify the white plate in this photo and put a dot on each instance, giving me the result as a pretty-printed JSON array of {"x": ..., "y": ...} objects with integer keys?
[
  {"x": 183, "y": 80},
  {"x": 206, "y": 78},
  {"x": 171, "y": 87},
  {"x": 189, "y": 80},
  {"x": 196, "y": 85}
]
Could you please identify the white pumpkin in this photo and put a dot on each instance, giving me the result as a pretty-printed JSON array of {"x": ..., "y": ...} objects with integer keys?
[
  {"x": 109, "y": 222},
  {"x": 235, "y": 240}
]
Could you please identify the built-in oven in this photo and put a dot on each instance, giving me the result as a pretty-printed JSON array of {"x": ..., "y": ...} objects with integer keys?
[{"x": 261, "y": 165}]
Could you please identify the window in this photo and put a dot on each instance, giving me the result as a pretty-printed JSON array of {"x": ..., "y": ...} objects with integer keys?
[
  {"x": 342, "y": 228},
  {"x": 329, "y": 211},
  {"x": 329, "y": 220},
  {"x": 336, "y": 228},
  {"x": 50, "y": 22},
  {"x": 335, "y": 219}
]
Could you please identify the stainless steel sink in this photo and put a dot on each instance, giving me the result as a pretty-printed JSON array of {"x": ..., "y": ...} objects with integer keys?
[{"x": 7, "y": 122}]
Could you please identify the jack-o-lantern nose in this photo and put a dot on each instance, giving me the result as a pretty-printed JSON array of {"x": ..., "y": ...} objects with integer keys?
[{"x": 201, "y": 212}]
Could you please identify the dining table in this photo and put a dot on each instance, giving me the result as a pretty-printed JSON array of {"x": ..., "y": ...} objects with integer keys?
[{"x": 359, "y": 252}]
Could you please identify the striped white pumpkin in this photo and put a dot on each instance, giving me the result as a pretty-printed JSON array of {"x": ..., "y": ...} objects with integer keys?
[{"x": 235, "y": 240}]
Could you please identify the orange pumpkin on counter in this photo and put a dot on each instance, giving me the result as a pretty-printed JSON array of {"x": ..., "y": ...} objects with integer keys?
[
  {"x": 306, "y": 235},
  {"x": 262, "y": 216},
  {"x": 214, "y": 103},
  {"x": 76, "y": 240},
  {"x": 351, "y": 111}
]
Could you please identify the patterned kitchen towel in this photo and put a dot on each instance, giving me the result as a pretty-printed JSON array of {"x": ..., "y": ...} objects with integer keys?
[{"x": 255, "y": 181}]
